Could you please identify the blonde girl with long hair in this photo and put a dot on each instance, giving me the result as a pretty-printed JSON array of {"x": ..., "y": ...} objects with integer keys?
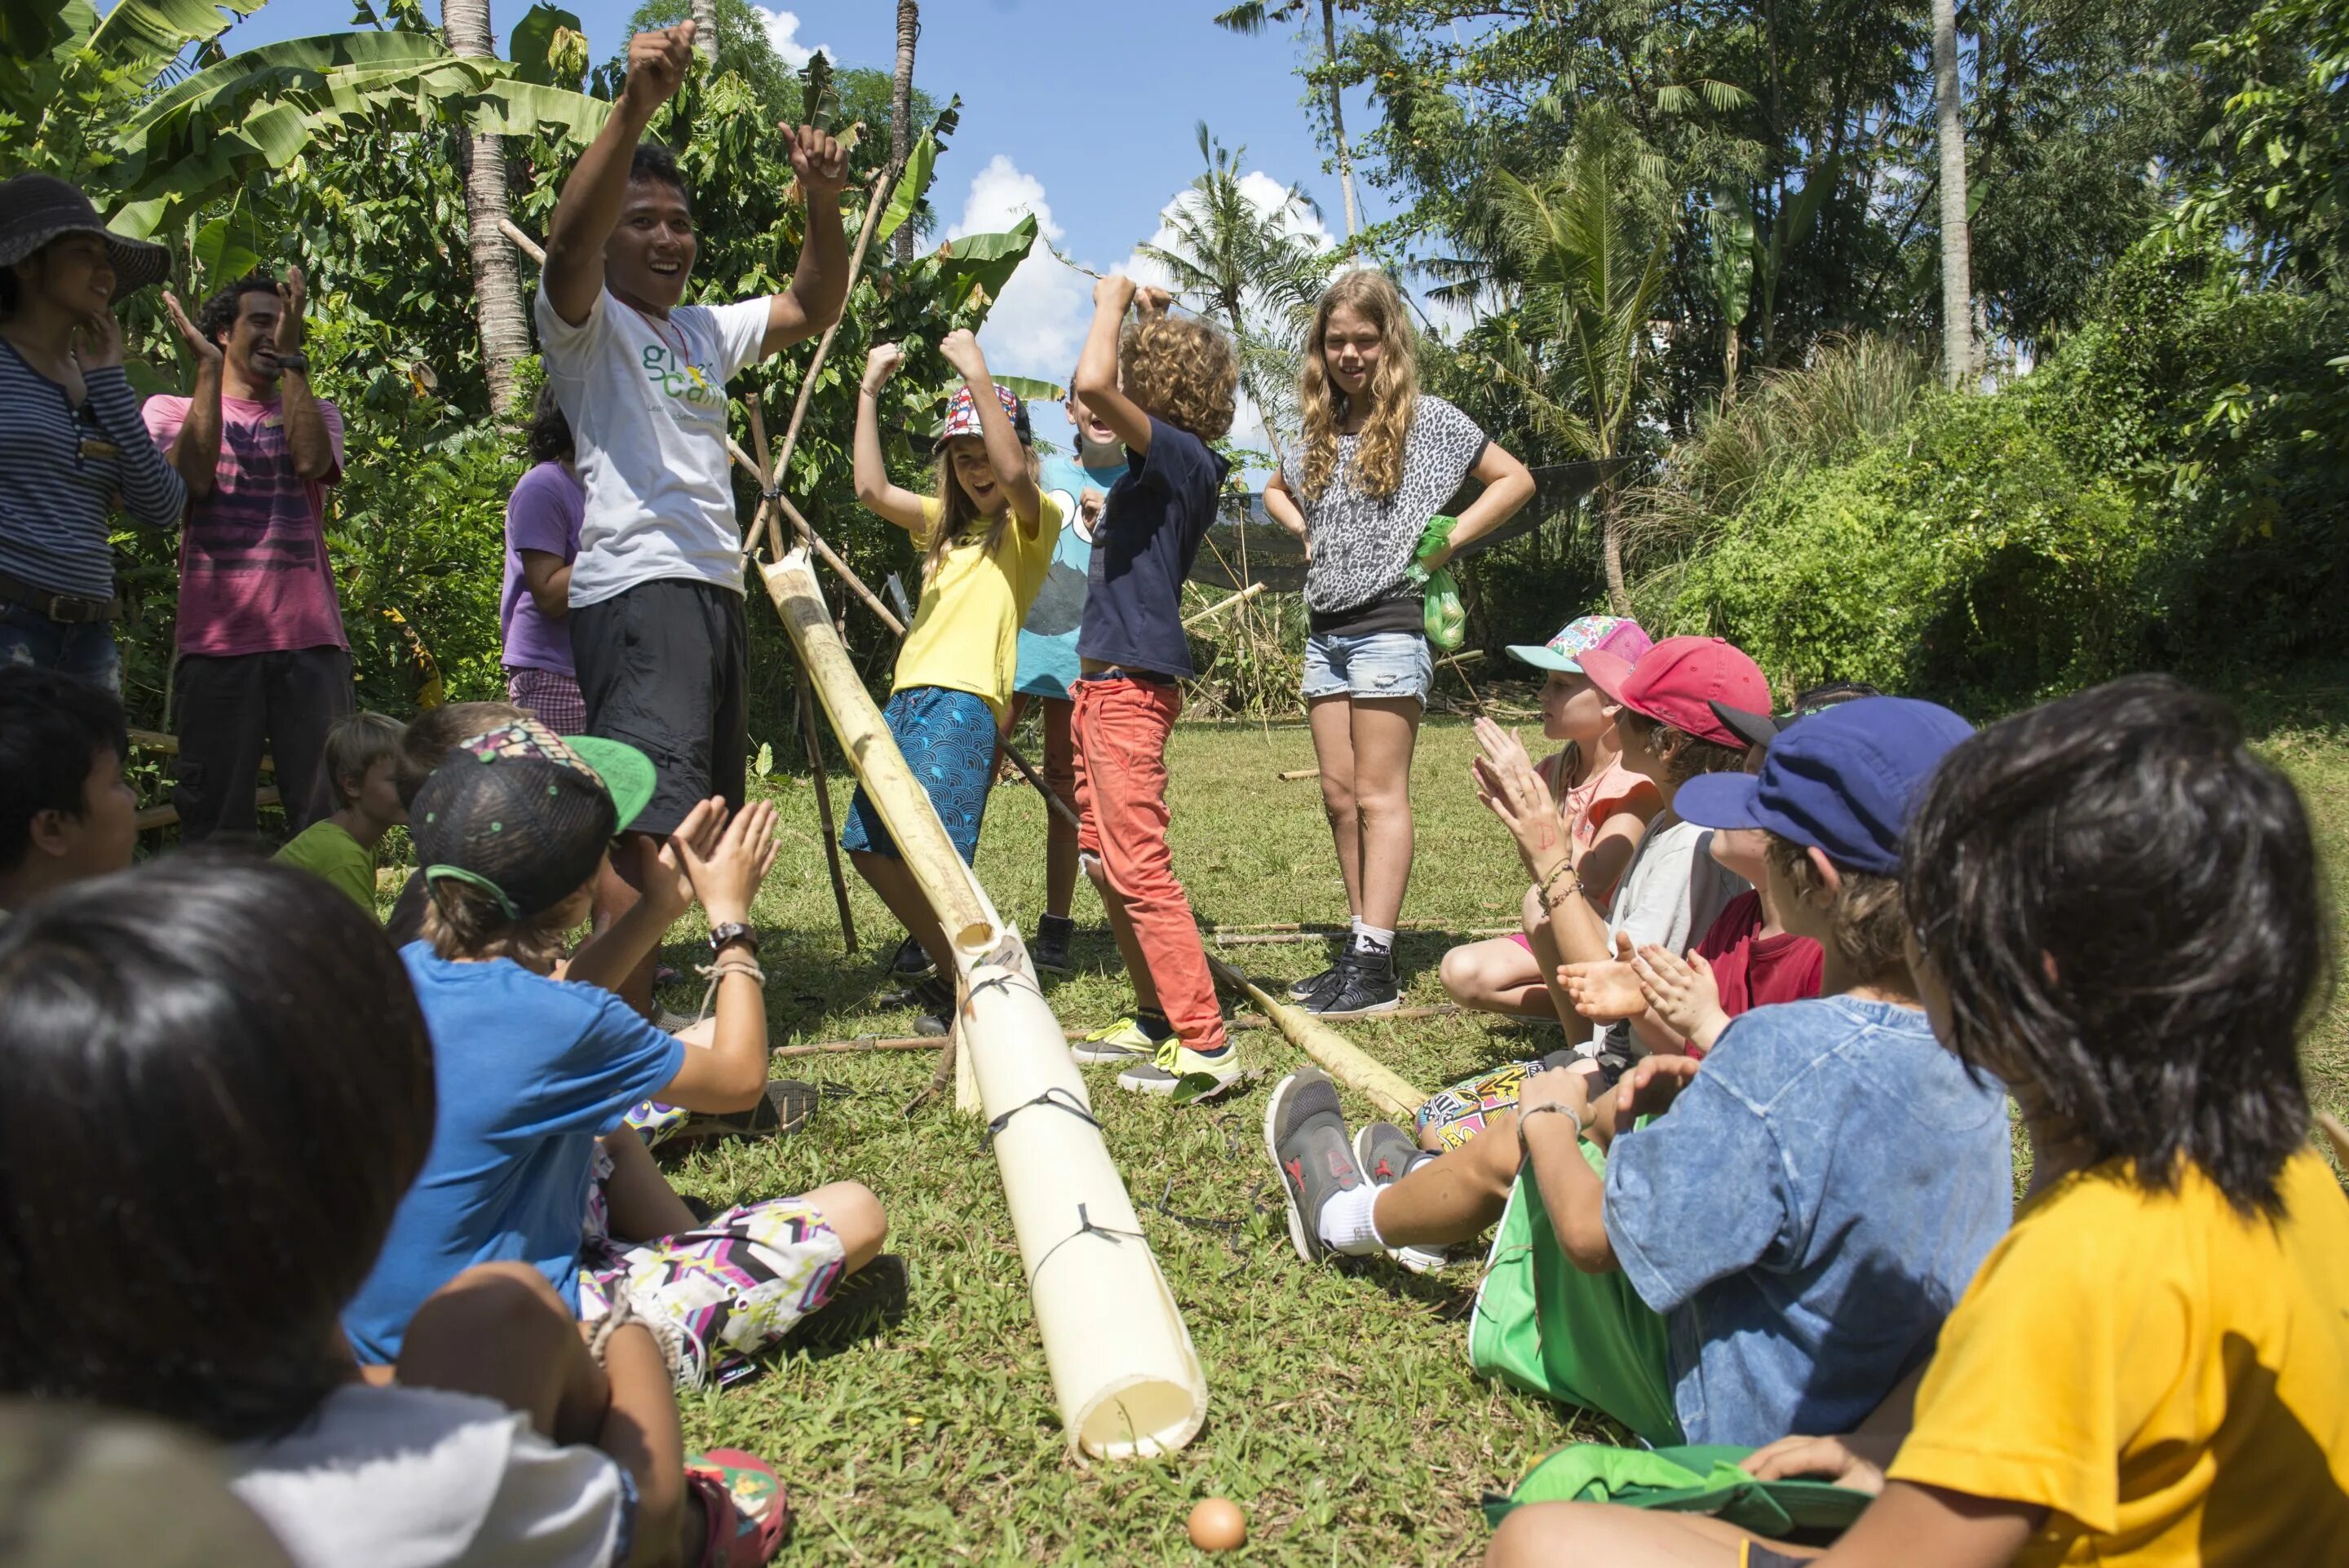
[
  {"x": 986, "y": 538},
  {"x": 1377, "y": 459}
]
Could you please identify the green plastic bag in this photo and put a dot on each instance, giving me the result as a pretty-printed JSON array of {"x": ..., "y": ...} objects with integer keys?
[
  {"x": 1445, "y": 621},
  {"x": 1697, "y": 1479}
]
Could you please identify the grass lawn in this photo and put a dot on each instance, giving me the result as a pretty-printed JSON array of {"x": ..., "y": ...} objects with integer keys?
[{"x": 1342, "y": 1416}]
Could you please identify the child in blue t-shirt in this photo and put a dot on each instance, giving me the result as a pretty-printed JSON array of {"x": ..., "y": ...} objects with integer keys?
[
  {"x": 1764, "y": 1243},
  {"x": 1048, "y": 656},
  {"x": 535, "y": 1073},
  {"x": 1164, "y": 386}
]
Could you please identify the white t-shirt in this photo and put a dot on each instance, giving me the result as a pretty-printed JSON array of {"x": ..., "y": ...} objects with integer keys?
[
  {"x": 416, "y": 1477},
  {"x": 1673, "y": 891},
  {"x": 646, "y": 402}
]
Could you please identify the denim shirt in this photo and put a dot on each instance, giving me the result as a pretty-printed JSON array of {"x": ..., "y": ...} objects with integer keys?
[{"x": 1807, "y": 1212}]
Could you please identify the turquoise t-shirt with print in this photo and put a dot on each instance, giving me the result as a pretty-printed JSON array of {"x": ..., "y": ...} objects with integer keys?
[{"x": 1048, "y": 638}]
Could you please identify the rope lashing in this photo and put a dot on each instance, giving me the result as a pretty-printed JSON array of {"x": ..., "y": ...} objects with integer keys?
[
  {"x": 1085, "y": 1227},
  {"x": 1056, "y": 1097}
]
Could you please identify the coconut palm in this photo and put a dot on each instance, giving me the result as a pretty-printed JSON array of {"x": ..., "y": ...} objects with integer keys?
[
  {"x": 1251, "y": 266},
  {"x": 1254, "y": 17},
  {"x": 1591, "y": 275},
  {"x": 901, "y": 107},
  {"x": 497, "y": 276},
  {"x": 1957, "y": 280}
]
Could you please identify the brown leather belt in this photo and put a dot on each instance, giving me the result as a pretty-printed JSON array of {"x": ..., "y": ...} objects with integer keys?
[{"x": 66, "y": 609}]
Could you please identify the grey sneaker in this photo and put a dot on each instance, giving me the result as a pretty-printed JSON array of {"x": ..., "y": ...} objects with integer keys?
[
  {"x": 1050, "y": 948},
  {"x": 1386, "y": 1154},
  {"x": 1305, "y": 1133}
]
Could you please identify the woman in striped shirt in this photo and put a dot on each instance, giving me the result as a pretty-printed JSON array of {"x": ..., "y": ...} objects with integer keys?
[{"x": 72, "y": 448}]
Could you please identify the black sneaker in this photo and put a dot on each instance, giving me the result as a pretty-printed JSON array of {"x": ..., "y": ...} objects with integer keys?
[
  {"x": 1050, "y": 948},
  {"x": 934, "y": 997},
  {"x": 910, "y": 962},
  {"x": 1365, "y": 986},
  {"x": 1305, "y": 1133},
  {"x": 1305, "y": 990}
]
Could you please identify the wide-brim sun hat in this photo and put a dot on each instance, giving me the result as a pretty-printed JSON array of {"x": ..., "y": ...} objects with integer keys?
[
  {"x": 1617, "y": 634},
  {"x": 1842, "y": 780},
  {"x": 36, "y": 209},
  {"x": 1678, "y": 681}
]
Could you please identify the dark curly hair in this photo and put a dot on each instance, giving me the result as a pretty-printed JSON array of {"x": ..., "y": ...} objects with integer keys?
[
  {"x": 550, "y": 431},
  {"x": 653, "y": 161},
  {"x": 217, "y": 319},
  {"x": 1184, "y": 371},
  {"x": 2123, "y": 901}
]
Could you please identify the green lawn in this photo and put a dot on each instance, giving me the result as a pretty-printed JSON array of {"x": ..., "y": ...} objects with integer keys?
[{"x": 1342, "y": 1417}]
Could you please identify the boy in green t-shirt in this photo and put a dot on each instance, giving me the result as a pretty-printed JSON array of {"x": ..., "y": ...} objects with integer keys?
[{"x": 362, "y": 757}]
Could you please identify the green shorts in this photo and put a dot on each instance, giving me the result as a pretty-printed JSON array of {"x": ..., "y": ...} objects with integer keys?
[{"x": 1542, "y": 1325}]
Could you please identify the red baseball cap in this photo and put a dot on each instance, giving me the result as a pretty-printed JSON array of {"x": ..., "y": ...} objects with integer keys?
[{"x": 1678, "y": 681}]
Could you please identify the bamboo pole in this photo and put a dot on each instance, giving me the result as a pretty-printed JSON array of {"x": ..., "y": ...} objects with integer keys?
[
  {"x": 929, "y": 855},
  {"x": 1338, "y": 1057},
  {"x": 1294, "y": 774},
  {"x": 814, "y": 541},
  {"x": 522, "y": 242},
  {"x": 1217, "y": 608},
  {"x": 823, "y": 810},
  {"x": 862, "y": 1045}
]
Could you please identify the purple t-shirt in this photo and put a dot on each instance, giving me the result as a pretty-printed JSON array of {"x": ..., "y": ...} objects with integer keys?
[{"x": 542, "y": 514}]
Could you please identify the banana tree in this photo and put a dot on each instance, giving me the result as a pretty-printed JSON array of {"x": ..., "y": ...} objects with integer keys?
[{"x": 1591, "y": 280}]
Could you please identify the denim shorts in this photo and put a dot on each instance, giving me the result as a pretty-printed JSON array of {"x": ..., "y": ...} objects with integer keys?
[{"x": 1371, "y": 664}]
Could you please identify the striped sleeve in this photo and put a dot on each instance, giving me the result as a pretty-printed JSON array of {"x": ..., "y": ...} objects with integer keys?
[{"x": 152, "y": 490}]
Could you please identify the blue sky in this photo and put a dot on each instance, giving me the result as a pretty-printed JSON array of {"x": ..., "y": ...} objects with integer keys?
[{"x": 1081, "y": 113}]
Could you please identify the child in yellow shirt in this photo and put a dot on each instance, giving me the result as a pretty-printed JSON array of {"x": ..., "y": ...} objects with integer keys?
[
  {"x": 988, "y": 538},
  {"x": 362, "y": 766},
  {"x": 2114, "y": 908}
]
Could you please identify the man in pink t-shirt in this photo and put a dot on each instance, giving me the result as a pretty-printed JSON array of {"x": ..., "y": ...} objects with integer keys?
[{"x": 264, "y": 667}]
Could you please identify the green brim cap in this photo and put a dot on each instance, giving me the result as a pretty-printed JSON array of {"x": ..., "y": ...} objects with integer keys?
[
  {"x": 627, "y": 774},
  {"x": 1542, "y": 658}
]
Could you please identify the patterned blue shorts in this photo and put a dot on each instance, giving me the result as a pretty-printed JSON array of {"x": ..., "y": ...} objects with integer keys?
[{"x": 948, "y": 739}]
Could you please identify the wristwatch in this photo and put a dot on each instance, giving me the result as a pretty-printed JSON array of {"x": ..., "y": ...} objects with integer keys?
[
  {"x": 724, "y": 936},
  {"x": 294, "y": 361}
]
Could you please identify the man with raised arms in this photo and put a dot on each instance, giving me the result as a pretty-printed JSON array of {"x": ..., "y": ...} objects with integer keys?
[{"x": 657, "y": 627}]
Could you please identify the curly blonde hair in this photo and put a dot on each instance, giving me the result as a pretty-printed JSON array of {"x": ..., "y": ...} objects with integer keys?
[
  {"x": 1394, "y": 395},
  {"x": 1182, "y": 370}
]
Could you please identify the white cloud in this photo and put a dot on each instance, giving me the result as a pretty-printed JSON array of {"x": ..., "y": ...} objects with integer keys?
[
  {"x": 1000, "y": 195},
  {"x": 783, "y": 33}
]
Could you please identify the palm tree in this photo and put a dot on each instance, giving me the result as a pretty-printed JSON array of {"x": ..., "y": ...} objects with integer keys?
[
  {"x": 901, "y": 108},
  {"x": 1591, "y": 278},
  {"x": 497, "y": 277},
  {"x": 1251, "y": 267},
  {"x": 1957, "y": 280},
  {"x": 1253, "y": 18}
]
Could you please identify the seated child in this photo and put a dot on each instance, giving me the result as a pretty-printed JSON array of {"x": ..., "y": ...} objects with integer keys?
[
  {"x": 1775, "y": 1245},
  {"x": 1670, "y": 890},
  {"x": 533, "y": 1073},
  {"x": 987, "y": 537},
  {"x": 362, "y": 762},
  {"x": 2116, "y": 906},
  {"x": 65, "y": 812},
  {"x": 1606, "y": 806},
  {"x": 178, "y": 1004},
  {"x": 426, "y": 743}
]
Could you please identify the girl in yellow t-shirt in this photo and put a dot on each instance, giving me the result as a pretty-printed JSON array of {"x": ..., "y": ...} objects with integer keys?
[
  {"x": 988, "y": 538},
  {"x": 2114, "y": 908}
]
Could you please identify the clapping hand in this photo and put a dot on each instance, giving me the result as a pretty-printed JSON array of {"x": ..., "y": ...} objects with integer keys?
[
  {"x": 657, "y": 64},
  {"x": 1510, "y": 788},
  {"x": 1650, "y": 1088},
  {"x": 1681, "y": 992},
  {"x": 205, "y": 350},
  {"x": 818, "y": 161},
  {"x": 97, "y": 341},
  {"x": 728, "y": 878},
  {"x": 671, "y": 893},
  {"x": 291, "y": 295}
]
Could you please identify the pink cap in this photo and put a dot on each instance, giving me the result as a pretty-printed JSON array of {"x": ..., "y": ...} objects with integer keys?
[{"x": 1677, "y": 681}]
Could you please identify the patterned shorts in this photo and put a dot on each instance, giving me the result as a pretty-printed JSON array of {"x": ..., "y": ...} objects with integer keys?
[
  {"x": 549, "y": 696},
  {"x": 734, "y": 1285},
  {"x": 1459, "y": 1113},
  {"x": 948, "y": 739}
]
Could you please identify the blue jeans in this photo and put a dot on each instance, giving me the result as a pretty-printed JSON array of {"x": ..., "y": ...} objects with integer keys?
[
  {"x": 81, "y": 648},
  {"x": 1373, "y": 664}
]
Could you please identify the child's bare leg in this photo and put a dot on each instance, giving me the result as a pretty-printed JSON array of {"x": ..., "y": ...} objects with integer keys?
[
  {"x": 888, "y": 875},
  {"x": 1454, "y": 1197},
  {"x": 638, "y": 1200},
  {"x": 1120, "y": 925},
  {"x": 1496, "y": 975},
  {"x": 855, "y": 1216},
  {"x": 1574, "y": 1534},
  {"x": 1331, "y": 719},
  {"x": 1059, "y": 835},
  {"x": 500, "y": 1331}
]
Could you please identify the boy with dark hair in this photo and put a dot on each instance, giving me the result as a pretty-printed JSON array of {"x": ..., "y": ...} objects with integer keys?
[
  {"x": 264, "y": 667},
  {"x": 655, "y": 592},
  {"x": 66, "y": 813},
  {"x": 363, "y": 762},
  {"x": 1719, "y": 1255},
  {"x": 1163, "y": 385}
]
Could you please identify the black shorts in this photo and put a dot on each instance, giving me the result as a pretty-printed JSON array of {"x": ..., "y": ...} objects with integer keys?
[{"x": 664, "y": 667}]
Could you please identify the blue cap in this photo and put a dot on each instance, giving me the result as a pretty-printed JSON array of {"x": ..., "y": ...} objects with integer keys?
[{"x": 1842, "y": 780}]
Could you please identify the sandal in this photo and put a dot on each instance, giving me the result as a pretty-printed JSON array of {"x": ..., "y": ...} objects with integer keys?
[
  {"x": 745, "y": 1512},
  {"x": 782, "y": 1110}
]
